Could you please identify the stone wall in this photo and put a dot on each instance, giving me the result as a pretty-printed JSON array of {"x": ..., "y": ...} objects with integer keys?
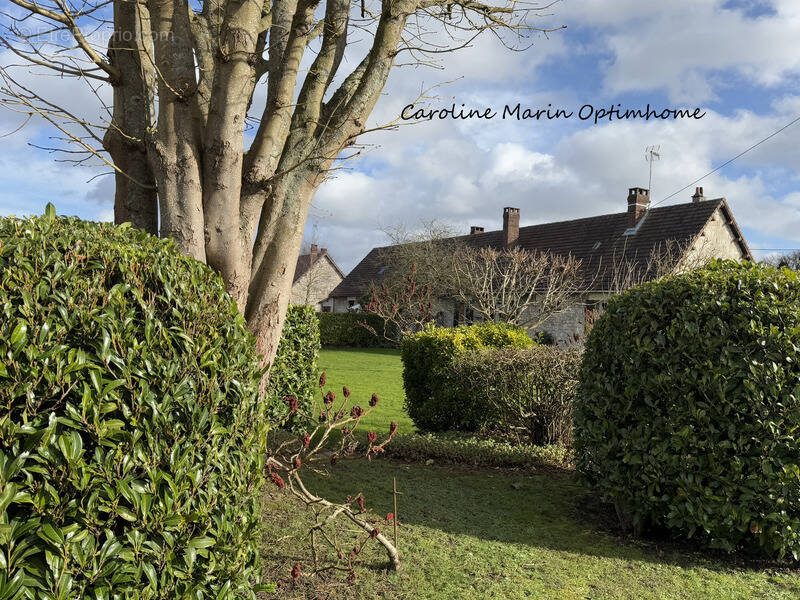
[{"x": 566, "y": 324}]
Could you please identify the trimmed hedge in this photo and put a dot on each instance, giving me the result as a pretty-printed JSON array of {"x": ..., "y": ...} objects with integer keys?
[
  {"x": 527, "y": 393},
  {"x": 347, "y": 329},
  {"x": 479, "y": 452},
  {"x": 131, "y": 432},
  {"x": 294, "y": 370},
  {"x": 689, "y": 410},
  {"x": 433, "y": 400}
]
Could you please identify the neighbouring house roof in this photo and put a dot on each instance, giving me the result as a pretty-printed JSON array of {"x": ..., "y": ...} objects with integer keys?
[
  {"x": 595, "y": 241},
  {"x": 306, "y": 261}
]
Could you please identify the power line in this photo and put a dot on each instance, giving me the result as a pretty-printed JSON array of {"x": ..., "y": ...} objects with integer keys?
[{"x": 725, "y": 164}]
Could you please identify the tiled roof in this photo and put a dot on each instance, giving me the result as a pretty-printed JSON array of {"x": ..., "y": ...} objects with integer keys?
[{"x": 595, "y": 241}]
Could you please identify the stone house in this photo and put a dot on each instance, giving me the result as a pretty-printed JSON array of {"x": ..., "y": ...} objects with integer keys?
[
  {"x": 698, "y": 231},
  {"x": 315, "y": 276}
]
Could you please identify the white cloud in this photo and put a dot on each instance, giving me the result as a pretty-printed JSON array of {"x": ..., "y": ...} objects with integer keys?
[{"x": 680, "y": 45}]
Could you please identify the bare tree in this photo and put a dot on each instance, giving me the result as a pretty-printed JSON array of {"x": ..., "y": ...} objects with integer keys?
[
  {"x": 185, "y": 76},
  {"x": 430, "y": 264},
  {"x": 791, "y": 260},
  {"x": 405, "y": 307},
  {"x": 428, "y": 248},
  {"x": 672, "y": 257},
  {"x": 522, "y": 287}
]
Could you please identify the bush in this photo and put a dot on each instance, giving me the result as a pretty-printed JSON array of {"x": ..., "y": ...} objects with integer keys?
[
  {"x": 131, "y": 433},
  {"x": 294, "y": 370},
  {"x": 474, "y": 451},
  {"x": 347, "y": 329},
  {"x": 689, "y": 415},
  {"x": 432, "y": 398},
  {"x": 526, "y": 392}
]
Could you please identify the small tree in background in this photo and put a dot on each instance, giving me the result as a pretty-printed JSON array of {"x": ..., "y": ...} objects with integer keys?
[
  {"x": 791, "y": 260},
  {"x": 407, "y": 307},
  {"x": 431, "y": 262},
  {"x": 516, "y": 286}
]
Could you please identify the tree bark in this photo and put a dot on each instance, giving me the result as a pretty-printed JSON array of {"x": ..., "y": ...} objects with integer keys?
[
  {"x": 275, "y": 258},
  {"x": 135, "y": 199},
  {"x": 234, "y": 80},
  {"x": 174, "y": 150}
]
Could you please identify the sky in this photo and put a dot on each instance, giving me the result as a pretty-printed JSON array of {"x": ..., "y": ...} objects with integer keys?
[{"x": 736, "y": 60}]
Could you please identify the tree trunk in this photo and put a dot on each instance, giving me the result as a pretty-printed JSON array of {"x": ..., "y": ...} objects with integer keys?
[
  {"x": 274, "y": 260},
  {"x": 135, "y": 190},
  {"x": 175, "y": 149}
]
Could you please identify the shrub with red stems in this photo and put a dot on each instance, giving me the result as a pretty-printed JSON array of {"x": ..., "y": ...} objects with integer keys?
[{"x": 318, "y": 446}]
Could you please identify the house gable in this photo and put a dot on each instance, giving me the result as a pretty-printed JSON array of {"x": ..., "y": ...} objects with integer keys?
[{"x": 316, "y": 275}]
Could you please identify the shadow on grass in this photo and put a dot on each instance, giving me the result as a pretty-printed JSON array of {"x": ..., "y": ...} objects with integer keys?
[{"x": 549, "y": 509}]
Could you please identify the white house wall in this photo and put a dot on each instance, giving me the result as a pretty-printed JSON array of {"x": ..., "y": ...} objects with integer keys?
[{"x": 717, "y": 240}]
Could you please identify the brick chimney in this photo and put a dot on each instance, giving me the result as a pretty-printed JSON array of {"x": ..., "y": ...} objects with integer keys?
[
  {"x": 475, "y": 229},
  {"x": 638, "y": 201},
  {"x": 698, "y": 195},
  {"x": 314, "y": 252},
  {"x": 510, "y": 226}
]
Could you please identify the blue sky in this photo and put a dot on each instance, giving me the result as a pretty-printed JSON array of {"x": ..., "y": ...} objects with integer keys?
[{"x": 737, "y": 60}]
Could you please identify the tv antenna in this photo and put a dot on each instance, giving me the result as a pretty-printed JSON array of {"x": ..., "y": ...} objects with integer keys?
[{"x": 651, "y": 154}]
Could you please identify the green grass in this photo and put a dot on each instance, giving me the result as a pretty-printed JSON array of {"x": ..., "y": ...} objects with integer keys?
[
  {"x": 366, "y": 371},
  {"x": 475, "y": 533},
  {"x": 471, "y": 534}
]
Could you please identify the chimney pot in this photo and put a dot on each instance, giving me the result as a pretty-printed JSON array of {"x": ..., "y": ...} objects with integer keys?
[
  {"x": 314, "y": 252},
  {"x": 638, "y": 203},
  {"x": 698, "y": 195},
  {"x": 510, "y": 226},
  {"x": 475, "y": 229}
]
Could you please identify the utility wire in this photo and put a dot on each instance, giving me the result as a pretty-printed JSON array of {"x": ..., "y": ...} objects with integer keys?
[{"x": 725, "y": 164}]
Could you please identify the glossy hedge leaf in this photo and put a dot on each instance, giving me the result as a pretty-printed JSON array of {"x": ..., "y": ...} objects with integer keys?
[
  {"x": 294, "y": 370},
  {"x": 688, "y": 414},
  {"x": 132, "y": 431}
]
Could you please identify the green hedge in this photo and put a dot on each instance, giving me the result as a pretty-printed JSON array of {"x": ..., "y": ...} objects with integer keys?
[
  {"x": 524, "y": 393},
  {"x": 432, "y": 398},
  {"x": 689, "y": 410},
  {"x": 464, "y": 449},
  {"x": 348, "y": 329},
  {"x": 131, "y": 433},
  {"x": 294, "y": 370}
]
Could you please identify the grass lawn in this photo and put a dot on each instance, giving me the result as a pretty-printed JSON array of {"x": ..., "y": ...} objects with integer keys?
[
  {"x": 366, "y": 371},
  {"x": 470, "y": 534}
]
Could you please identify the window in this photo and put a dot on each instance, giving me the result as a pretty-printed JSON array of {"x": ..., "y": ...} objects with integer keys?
[
  {"x": 326, "y": 308},
  {"x": 351, "y": 303}
]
